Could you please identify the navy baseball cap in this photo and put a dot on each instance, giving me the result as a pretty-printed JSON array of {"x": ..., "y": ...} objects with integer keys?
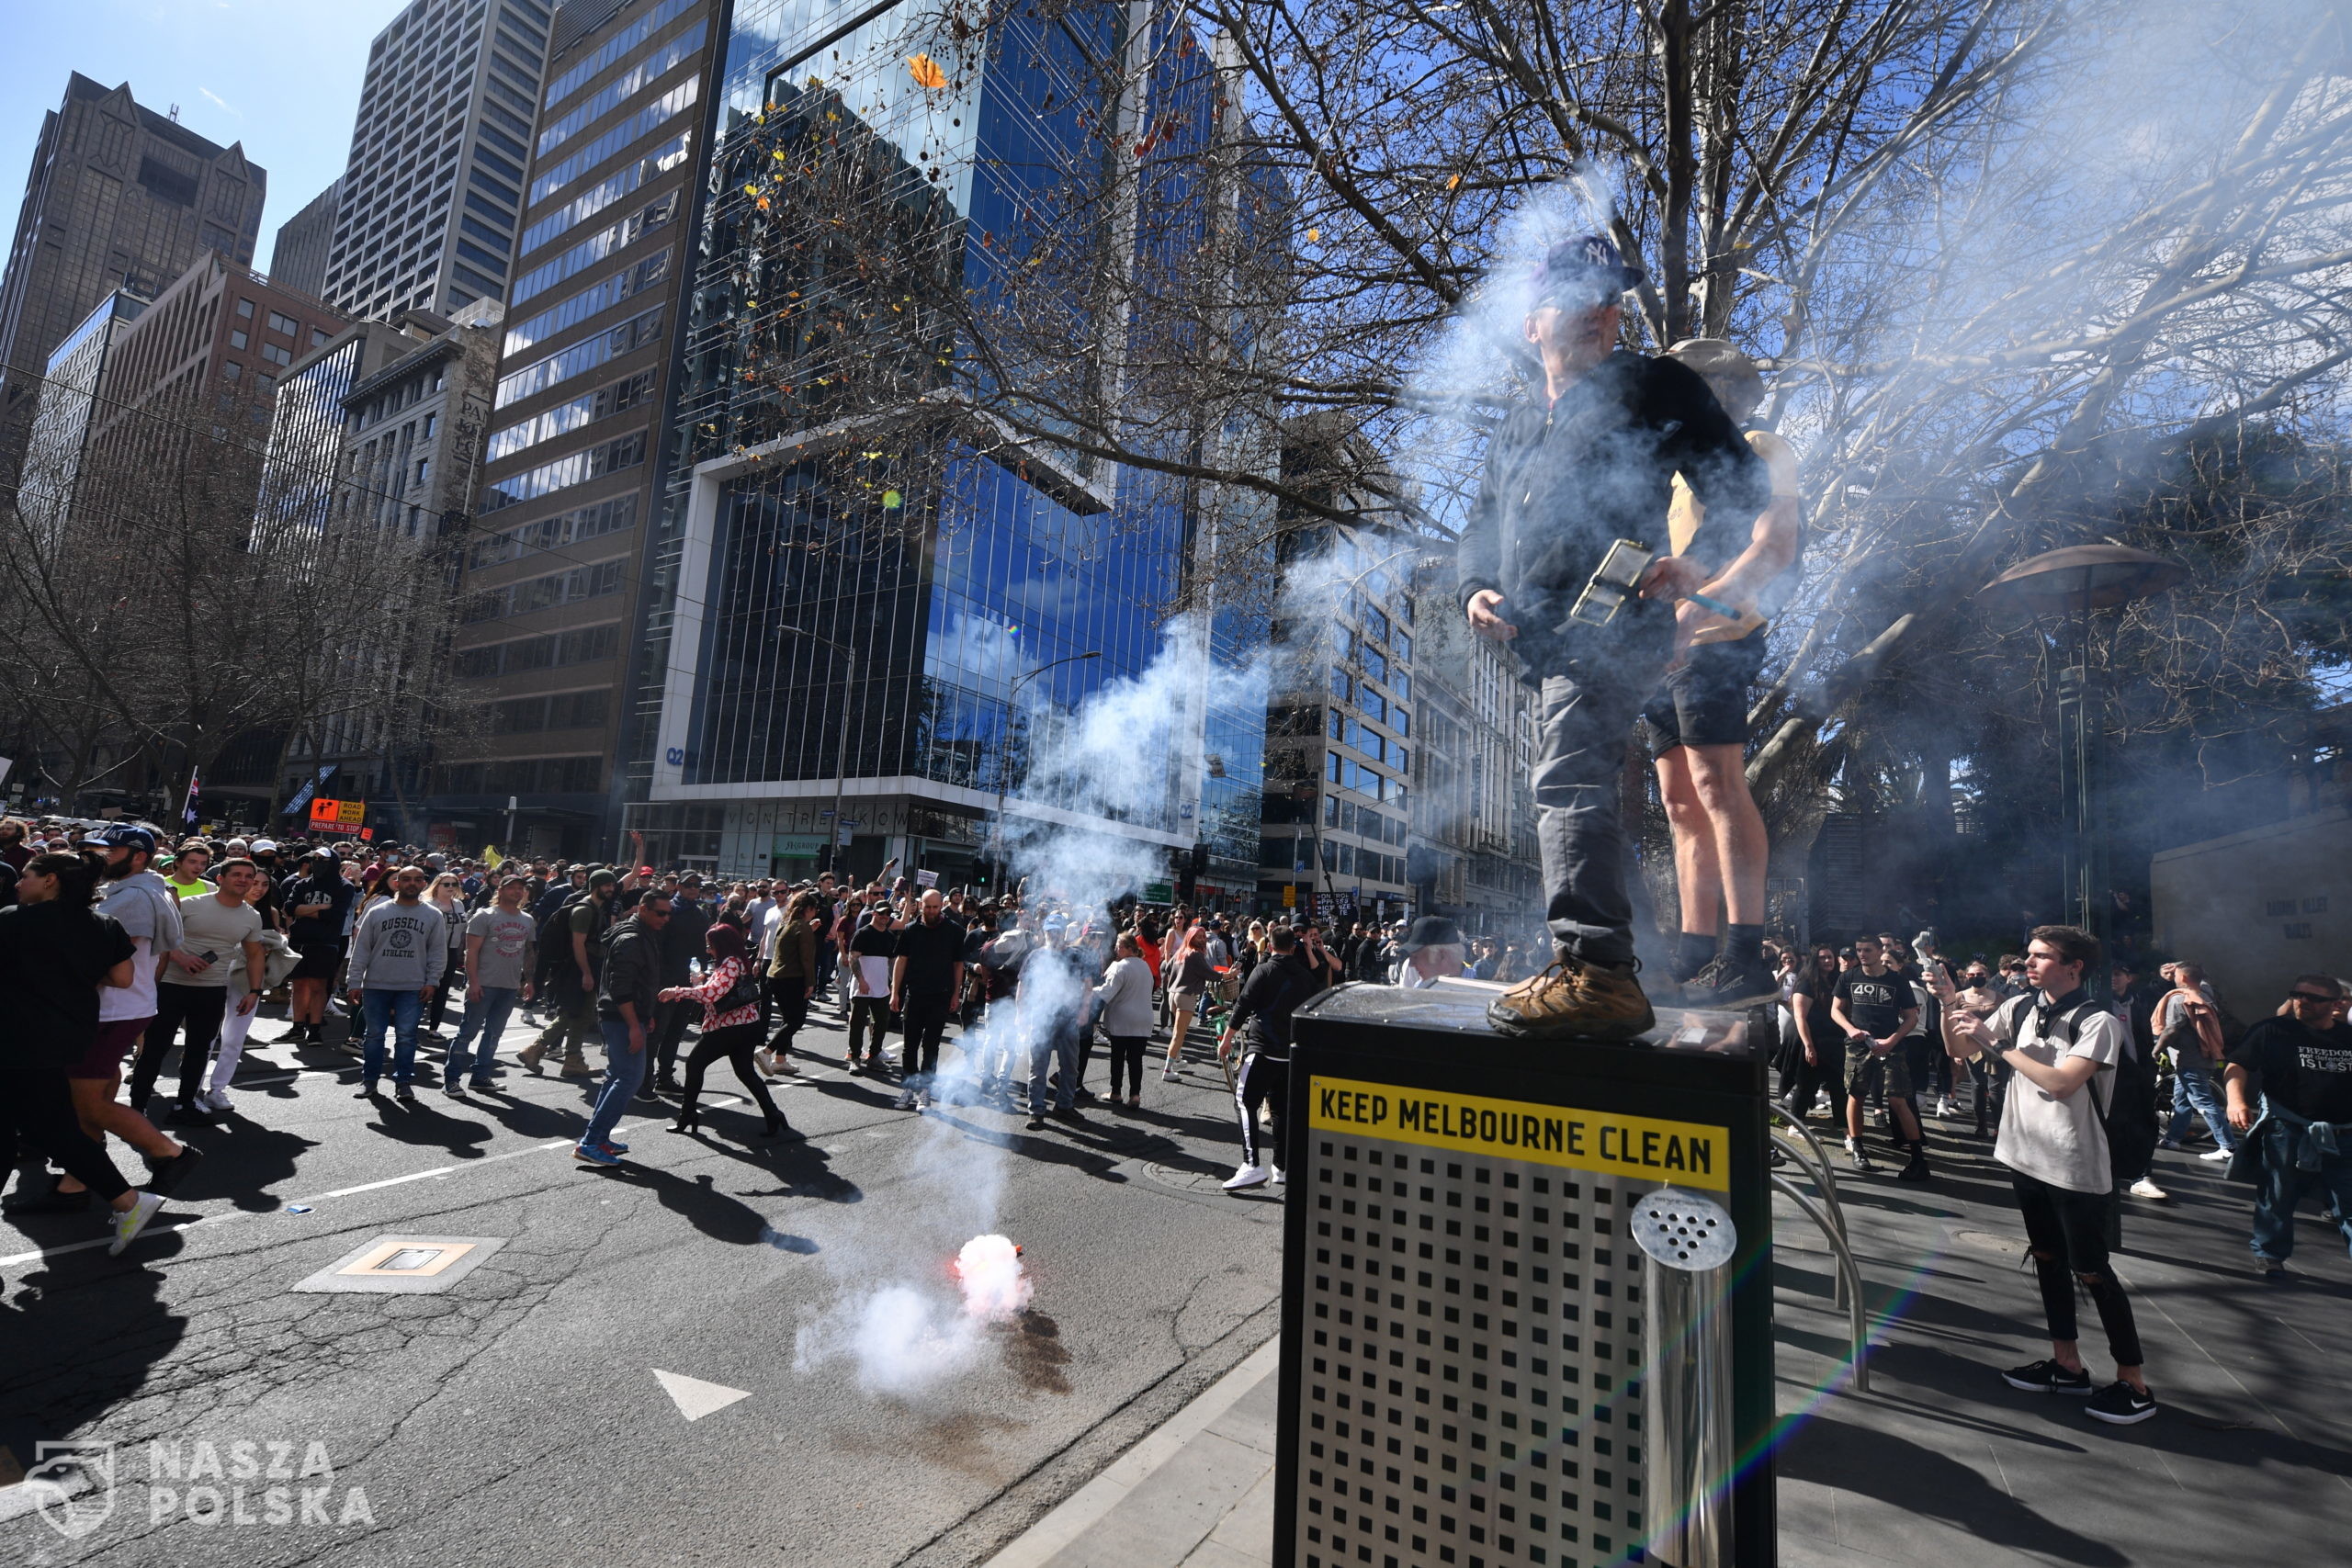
[
  {"x": 1580, "y": 273},
  {"x": 124, "y": 838}
]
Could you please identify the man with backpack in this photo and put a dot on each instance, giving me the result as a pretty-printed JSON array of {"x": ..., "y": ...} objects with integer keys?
[
  {"x": 572, "y": 950},
  {"x": 2289, "y": 1083},
  {"x": 2064, "y": 1045}
]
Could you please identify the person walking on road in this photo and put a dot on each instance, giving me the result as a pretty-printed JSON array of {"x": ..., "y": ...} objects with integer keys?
[
  {"x": 1125, "y": 997},
  {"x": 56, "y": 953},
  {"x": 1262, "y": 1017},
  {"x": 497, "y": 956},
  {"x": 628, "y": 991},
  {"x": 926, "y": 978},
  {"x": 2289, "y": 1084},
  {"x": 218, "y": 929},
  {"x": 397, "y": 951},
  {"x": 869, "y": 952},
  {"x": 730, "y": 997},
  {"x": 572, "y": 946}
]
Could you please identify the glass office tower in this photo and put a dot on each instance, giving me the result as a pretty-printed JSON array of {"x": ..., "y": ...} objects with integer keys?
[{"x": 866, "y": 589}]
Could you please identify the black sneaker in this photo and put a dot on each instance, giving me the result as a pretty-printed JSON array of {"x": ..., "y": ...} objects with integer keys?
[
  {"x": 2121, "y": 1404},
  {"x": 1725, "y": 985},
  {"x": 404, "y": 1094},
  {"x": 1916, "y": 1169},
  {"x": 165, "y": 1176},
  {"x": 2049, "y": 1377}
]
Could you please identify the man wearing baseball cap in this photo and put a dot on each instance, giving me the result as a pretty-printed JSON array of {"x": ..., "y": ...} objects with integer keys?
[{"x": 1569, "y": 476}]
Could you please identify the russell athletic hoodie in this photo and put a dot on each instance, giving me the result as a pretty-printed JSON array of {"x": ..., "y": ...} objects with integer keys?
[{"x": 398, "y": 947}]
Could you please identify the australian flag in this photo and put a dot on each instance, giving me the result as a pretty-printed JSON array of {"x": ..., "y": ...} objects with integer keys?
[{"x": 188, "y": 812}]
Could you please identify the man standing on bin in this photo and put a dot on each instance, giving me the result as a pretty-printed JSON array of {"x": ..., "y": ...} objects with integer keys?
[{"x": 1592, "y": 464}]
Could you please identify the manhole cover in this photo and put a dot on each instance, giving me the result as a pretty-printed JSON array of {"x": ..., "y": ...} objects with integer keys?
[
  {"x": 405, "y": 1265},
  {"x": 1182, "y": 1180},
  {"x": 1985, "y": 1241}
]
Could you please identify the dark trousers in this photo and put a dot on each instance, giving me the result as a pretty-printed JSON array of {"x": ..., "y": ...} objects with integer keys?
[
  {"x": 924, "y": 1021},
  {"x": 1579, "y": 758},
  {"x": 1126, "y": 1057},
  {"x": 736, "y": 1043},
  {"x": 1803, "y": 1082},
  {"x": 2067, "y": 1233},
  {"x": 196, "y": 1008},
  {"x": 670, "y": 1020},
  {"x": 791, "y": 996},
  {"x": 574, "y": 1024},
  {"x": 1263, "y": 1079},
  {"x": 38, "y": 1106},
  {"x": 869, "y": 1023}
]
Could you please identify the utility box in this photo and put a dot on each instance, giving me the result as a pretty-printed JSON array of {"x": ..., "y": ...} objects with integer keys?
[{"x": 1526, "y": 1292}]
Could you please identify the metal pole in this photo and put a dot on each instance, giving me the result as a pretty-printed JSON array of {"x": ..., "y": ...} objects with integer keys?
[
  {"x": 1857, "y": 1317},
  {"x": 1688, "y": 1241},
  {"x": 840, "y": 771}
]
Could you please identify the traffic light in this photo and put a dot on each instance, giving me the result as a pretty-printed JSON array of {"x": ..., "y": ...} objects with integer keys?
[{"x": 1200, "y": 861}]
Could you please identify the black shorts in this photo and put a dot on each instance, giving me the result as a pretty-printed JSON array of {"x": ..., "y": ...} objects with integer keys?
[
  {"x": 319, "y": 961},
  {"x": 1705, "y": 702}
]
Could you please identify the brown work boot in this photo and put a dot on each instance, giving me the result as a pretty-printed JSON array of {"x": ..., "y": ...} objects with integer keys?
[{"x": 1574, "y": 1001}]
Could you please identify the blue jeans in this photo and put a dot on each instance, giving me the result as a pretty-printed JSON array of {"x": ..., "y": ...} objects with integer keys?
[
  {"x": 400, "y": 1010},
  {"x": 623, "y": 1070},
  {"x": 2285, "y": 1184},
  {"x": 2194, "y": 1090},
  {"x": 488, "y": 1018},
  {"x": 1058, "y": 1050}
]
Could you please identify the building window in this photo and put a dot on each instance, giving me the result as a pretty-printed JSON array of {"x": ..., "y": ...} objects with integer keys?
[
  {"x": 245, "y": 309},
  {"x": 430, "y": 420},
  {"x": 423, "y": 467},
  {"x": 318, "y": 337},
  {"x": 285, "y": 324},
  {"x": 239, "y": 339},
  {"x": 275, "y": 355},
  {"x": 232, "y": 370}
]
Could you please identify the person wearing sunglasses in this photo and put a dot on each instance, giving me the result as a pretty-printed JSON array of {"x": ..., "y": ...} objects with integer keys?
[{"x": 2289, "y": 1082}]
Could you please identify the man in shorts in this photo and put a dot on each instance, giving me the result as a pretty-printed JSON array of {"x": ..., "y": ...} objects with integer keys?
[
  {"x": 1698, "y": 721},
  {"x": 1873, "y": 1006}
]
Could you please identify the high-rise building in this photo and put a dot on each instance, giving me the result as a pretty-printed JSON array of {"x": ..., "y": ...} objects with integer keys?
[
  {"x": 120, "y": 197},
  {"x": 432, "y": 188},
  {"x": 857, "y": 590},
  {"x": 552, "y": 581},
  {"x": 1472, "y": 855},
  {"x": 63, "y": 413},
  {"x": 298, "y": 258}
]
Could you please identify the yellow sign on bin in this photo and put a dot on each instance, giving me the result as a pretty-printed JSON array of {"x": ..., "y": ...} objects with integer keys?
[{"x": 1688, "y": 1153}]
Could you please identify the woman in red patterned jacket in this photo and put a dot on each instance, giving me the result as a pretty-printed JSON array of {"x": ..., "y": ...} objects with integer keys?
[{"x": 729, "y": 996}]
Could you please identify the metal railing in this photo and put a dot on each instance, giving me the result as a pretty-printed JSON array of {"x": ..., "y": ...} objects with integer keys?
[{"x": 1830, "y": 1218}]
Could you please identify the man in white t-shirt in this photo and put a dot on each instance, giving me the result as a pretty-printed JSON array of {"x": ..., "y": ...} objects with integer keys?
[
  {"x": 218, "y": 930},
  {"x": 2063, "y": 1046}
]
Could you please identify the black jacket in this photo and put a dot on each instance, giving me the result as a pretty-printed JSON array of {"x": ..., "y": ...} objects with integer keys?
[
  {"x": 1562, "y": 482},
  {"x": 1273, "y": 991},
  {"x": 632, "y": 971}
]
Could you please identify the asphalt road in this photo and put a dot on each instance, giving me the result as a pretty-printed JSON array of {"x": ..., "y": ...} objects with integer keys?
[{"x": 516, "y": 1417}]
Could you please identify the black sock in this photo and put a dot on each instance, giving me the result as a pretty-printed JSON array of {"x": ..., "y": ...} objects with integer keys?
[
  {"x": 1744, "y": 945},
  {"x": 1693, "y": 952}
]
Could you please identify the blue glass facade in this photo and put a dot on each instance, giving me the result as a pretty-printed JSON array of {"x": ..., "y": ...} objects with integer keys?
[{"x": 838, "y": 559}]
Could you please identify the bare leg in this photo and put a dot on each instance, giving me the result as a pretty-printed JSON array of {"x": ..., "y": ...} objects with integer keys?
[
  {"x": 1698, "y": 877},
  {"x": 1738, "y": 851},
  {"x": 95, "y": 1107}
]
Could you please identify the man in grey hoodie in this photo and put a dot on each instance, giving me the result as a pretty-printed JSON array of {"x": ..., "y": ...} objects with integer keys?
[{"x": 397, "y": 951}]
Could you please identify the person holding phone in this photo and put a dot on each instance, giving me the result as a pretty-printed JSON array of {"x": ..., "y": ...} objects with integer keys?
[{"x": 220, "y": 928}]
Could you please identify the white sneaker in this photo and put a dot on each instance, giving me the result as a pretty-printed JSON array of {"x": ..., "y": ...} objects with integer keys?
[
  {"x": 1944, "y": 1107},
  {"x": 2144, "y": 1188},
  {"x": 215, "y": 1099},
  {"x": 1246, "y": 1177},
  {"x": 765, "y": 1062},
  {"x": 2215, "y": 1157},
  {"x": 131, "y": 1221},
  {"x": 1279, "y": 1180}
]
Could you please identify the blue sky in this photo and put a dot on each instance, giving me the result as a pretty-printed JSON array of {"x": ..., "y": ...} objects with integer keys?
[{"x": 282, "y": 76}]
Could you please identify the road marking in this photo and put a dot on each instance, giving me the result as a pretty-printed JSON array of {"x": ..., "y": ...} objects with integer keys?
[
  {"x": 695, "y": 1398},
  {"x": 405, "y": 1265},
  {"x": 439, "y": 1170}
]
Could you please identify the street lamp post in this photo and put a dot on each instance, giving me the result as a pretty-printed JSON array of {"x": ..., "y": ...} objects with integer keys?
[
  {"x": 2066, "y": 585},
  {"x": 833, "y": 845},
  {"x": 1004, "y": 781}
]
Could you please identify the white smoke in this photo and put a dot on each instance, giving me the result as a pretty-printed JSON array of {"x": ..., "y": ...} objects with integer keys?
[{"x": 917, "y": 1301}]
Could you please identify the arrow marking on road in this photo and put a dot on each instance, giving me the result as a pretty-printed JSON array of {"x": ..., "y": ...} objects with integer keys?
[{"x": 695, "y": 1398}]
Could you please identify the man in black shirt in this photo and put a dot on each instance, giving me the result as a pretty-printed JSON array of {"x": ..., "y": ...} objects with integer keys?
[
  {"x": 866, "y": 977},
  {"x": 318, "y": 902},
  {"x": 1592, "y": 465},
  {"x": 682, "y": 944},
  {"x": 1262, "y": 1016},
  {"x": 926, "y": 977},
  {"x": 1873, "y": 1009},
  {"x": 2301, "y": 1062}
]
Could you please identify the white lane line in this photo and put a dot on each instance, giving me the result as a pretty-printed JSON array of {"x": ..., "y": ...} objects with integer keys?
[{"x": 62, "y": 1250}]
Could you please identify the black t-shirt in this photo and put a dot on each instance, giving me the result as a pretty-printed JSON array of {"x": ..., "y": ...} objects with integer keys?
[
  {"x": 52, "y": 959},
  {"x": 1874, "y": 1002},
  {"x": 870, "y": 941},
  {"x": 2308, "y": 1071},
  {"x": 325, "y": 927},
  {"x": 932, "y": 953}
]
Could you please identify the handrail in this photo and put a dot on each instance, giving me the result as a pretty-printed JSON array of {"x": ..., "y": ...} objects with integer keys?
[
  {"x": 1805, "y": 1162},
  {"x": 1849, "y": 1272}
]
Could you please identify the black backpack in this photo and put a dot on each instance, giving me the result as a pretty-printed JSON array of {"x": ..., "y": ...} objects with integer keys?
[{"x": 2129, "y": 1112}]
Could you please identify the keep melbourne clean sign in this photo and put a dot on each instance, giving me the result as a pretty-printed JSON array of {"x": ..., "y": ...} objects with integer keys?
[{"x": 1686, "y": 1153}]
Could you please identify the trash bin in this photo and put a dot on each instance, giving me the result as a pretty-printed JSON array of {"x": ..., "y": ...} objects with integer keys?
[{"x": 1492, "y": 1354}]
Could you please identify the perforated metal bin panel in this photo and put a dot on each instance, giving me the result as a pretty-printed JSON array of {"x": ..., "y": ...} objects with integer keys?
[{"x": 1464, "y": 1359}]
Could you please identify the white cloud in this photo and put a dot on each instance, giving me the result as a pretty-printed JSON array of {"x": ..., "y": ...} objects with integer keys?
[{"x": 221, "y": 101}]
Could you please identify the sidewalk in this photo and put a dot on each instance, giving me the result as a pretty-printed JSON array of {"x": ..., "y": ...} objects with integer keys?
[{"x": 1940, "y": 1465}]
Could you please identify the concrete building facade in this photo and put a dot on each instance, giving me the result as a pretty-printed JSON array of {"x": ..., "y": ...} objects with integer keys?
[
  {"x": 432, "y": 190},
  {"x": 298, "y": 259},
  {"x": 552, "y": 583}
]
